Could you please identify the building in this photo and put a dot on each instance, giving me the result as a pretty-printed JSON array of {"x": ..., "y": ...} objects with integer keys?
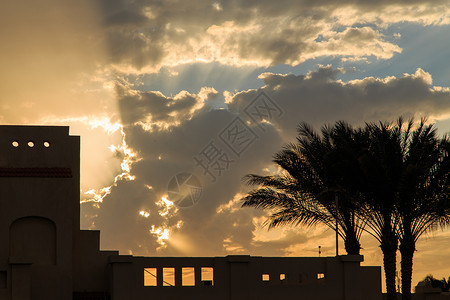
[{"x": 45, "y": 256}]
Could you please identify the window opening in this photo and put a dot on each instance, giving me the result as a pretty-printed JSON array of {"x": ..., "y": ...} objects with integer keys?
[
  {"x": 150, "y": 277},
  {"x": 188, "y": 276},
  {"x": 168, "y": 276},
  {"x": 208, "y": 276}
]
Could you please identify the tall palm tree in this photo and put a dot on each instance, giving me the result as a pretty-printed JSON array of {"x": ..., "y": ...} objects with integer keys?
[
  {"x": 380, "y": 167},
  {"x": 404, "y": 191},
  {"x": 352, "y": 163},
  {"x": 423, "y": 202},
  {"x": 390, "y": 178},
  {"x": 315, "y": 170},
  {"x": 404, "y": 188}
]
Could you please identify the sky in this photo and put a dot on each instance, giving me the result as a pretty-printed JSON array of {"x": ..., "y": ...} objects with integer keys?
[{"x": 176, "y": 101}]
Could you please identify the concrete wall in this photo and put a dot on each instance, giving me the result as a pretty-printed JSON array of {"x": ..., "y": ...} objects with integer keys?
[
  {"x": 90, "y": 264},
  {"x": 241, "y": 277}
]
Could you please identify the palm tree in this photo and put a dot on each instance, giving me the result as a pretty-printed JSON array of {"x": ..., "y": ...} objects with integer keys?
[
  {"x": 443, "y": 284},
  {"x": 388, "y": 177},
  {"x": 404, "y": 189},
  {"x": 380, "y": 169},
  {"x": 352, "y": 163},
  {"x": 423, "y": 201},
  {"x": 315, "y": 171}
]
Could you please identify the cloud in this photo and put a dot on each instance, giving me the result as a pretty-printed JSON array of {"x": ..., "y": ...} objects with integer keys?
[
  {"x": 357, "y": 43},
  {"x": 143, "y": 36},
  {"x": 154, "y": 109},
  {"x": 167, "y": 133},
  {"x": 320, "y": 98},
  {"x": 164, "y": 151}
]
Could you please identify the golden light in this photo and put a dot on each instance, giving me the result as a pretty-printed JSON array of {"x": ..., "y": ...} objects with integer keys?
[
  {"x": 97, "y": 195},
  {"x": 161, "y": 233},
  {"x": 144, "y": 213},
  {"x": 166, "y": 206}
]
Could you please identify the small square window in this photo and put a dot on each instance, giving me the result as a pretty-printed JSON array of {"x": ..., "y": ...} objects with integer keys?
[
  {"x": 188, "y": 276},
  {"x": 320, "y": 275},
  {"x": 265, "y": 277},
  {"x": 207, "y": 276},
  {"x": 282, "y": 276},
  {"x": 168, "y": 276},
  {"x": 150, "y": 277}
]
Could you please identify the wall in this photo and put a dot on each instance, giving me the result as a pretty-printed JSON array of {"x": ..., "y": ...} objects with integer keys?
[{"x": 241, "y": 277}]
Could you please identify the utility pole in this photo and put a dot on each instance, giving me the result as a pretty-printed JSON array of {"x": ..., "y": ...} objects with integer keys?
[{"x": 337, "y": 224}]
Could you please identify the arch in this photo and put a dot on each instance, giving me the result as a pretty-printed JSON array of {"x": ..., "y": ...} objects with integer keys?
[{"x": 34, "y": 238}]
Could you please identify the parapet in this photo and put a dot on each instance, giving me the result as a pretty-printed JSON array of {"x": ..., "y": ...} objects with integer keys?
[{"x": 38, "y": 147}]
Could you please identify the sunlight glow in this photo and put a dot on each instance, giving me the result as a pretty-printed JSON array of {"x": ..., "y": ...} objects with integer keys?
[
  {"x": 106, "y": 124},
  {"x": 93, "y": 121},
  {"x": 166, "y": 206},
  {"x": 162, "y": 234},
  {"x": 144, "y": 213},
  {"x": 128, "y": 158},
  {"x": 97, "y": 195},
  {"x": 179, "y": 224}
]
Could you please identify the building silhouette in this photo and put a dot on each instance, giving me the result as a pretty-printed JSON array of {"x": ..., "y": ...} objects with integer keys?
[{"x": 45, "y": 256}]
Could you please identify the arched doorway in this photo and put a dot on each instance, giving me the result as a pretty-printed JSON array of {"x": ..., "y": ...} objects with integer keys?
[{"x": 34, "y": 238}]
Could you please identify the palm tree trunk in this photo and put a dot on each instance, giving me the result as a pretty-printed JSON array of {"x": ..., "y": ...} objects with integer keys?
[
  {"x": 351, "y": 242},
  {"x": 352, "y": 247},
  {"x": 407, "y": 250},
  {"x": 389, "y": 249}
]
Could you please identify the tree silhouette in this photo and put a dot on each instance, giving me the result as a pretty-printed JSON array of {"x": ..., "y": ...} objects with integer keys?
[
  {"x": 423, "y": 187},
  {"x": 315, "y": 171},
  {"x": 388, "y": 177},
  {"x": 380, "y": 166},
  {"x": 442, "y": 284}
]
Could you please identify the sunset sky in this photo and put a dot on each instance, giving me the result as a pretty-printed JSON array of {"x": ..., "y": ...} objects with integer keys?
[{"x": 153, "y": 86}]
